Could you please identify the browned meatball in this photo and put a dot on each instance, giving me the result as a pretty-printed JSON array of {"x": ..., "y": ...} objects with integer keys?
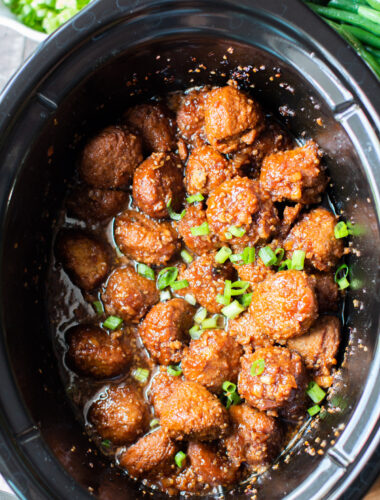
[
  {"x": 196, "y": 216},
  {"x": 244, "y": 331},
  {"x": 150, "y": 454},
  {"x": 256, "y": 437},
  {"x": 155, "y": 125},
  {"x": 96, "y": 204},
  {"x": 232, "y": 119},
  {"x": 254, "y": 273},
  {"x": 284, "y": 305},
  {"x": 161, "y": 389},
  {"x": 94, "y": 352},
  {"x": 84, "y": 258},
  {"x": 327, "y": 292},
  {"x": 165, "y": 328},
  {"x": 206, "y": 169},
  {"x": 110, "y": 158},
  {"x": 314, "y": 234},
  {"x": 207, "y": 279},
  {"x": 158, "y": 181},
  {"x": 211, "y": 464},
  {"x": 281, "y": 378},
  {"x": 294, "y": 175},
  {"x": 145, "y": 240},
  {"x": 128, "y": 294},
  {"x": 121, "y": 415},
  {"x": 212, "y": 359},
  {"x": 240, "y": 203},
  {"x": 191, "y": 411},
  {"x": 191, "y": 116},
  {"x": 319, "y": 347}
]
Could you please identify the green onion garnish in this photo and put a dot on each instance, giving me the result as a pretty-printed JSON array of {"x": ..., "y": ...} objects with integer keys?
[
  {"x": 145, "y": 271},
  {"x": 228, "y": 386},
  {"x": 106, "y": 443},
  {"x": 165, "y": 295},
  {"x": 237, "y": 258},
  {"x": 268, "y": 256},
  {"x": 178, "y": 285},
  {"x": 248, "y": 255},
  {"x": 141, "y": 375},
  {"x": 298, "y": 259},
  {"x": 341, "y": 230},
  {"x": 154, "y": 423},
  {"x": 286, "y": 264},
  {"x": 239, "y": 287},
  {"x": 112, "y": 322},
  {"x": 246, "y": 299},
  {"x": 257, "y": 367},
  {"x": 202, "y": 230},
  {"x": 179, "y": 458},
  {"x": 166, "y": 277},
  {"x": 233, "y": 310},
  {"x": 186, "y": 256},
  {"x": 230, "y": 393},
  {"x": 195, "y": 332},
  {"x": 195, "y": 197},
  {"x": 98, "y": 306},
  {"x": 221, "y": 299},
  {"x": 174, "y": 370},
  {"x": 209, "y": 323},
  {"x": 236, "y": 231},
  {"x": 200, "y": 315},
  {"x": 314, "y": 410},
  {"x": 222, "y": 255},
  {"x": 279, "y": 253},
  {"x": 173, "y": 215},
  {"x": 190, "y": 299},
  {"x": 315, "y": 392},
  {"x": 341, "y": 277}
]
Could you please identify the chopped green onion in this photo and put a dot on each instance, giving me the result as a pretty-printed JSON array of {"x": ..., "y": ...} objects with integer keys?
[
  {"x": 233, "y": 310},
  {"x": 209, "y": 323},
  {"x": 222, "y": 255},
  {"x": 279, "y": 253},
  {"x": 237, "y": 258},
  {"x": 186, "y": 256},
  {"x": 154, "y": 423},
  {"x": 141, "y": 375},
  {"x": 228, "y": 235},
  {"x": 314, "y": 410},
  {"x": 195, "y": 197},
  {"x": 195, "y": 332},
  {"x": 268, "y": 256},
  {"x": 248, "y": 255},
  {"x": 239, "y": 287},
  {"x": 257, "y": 367},
  {"x": 228, "y": 386},
  {"x": 341, "y": 277},
  {"x": 341, "y": 230},
  {"x": 221, "y": 299},
  {"x": 286, "y": 264},
  {"x": 246, "y": 299},
  {"x": 112, "y": 322},
  {"x": 174, "y": 370},
  {"x": 106, "y": 443},
  {"x": 179, "y": 458},
  {"x": 98, "y": 306},
  {"x": 166, "y": 277},
  {"x": 236, "y": 231},
  {"x": 315, "y": 392},
  {"x": 232, "y": 399},
  {"x": 190, "y": 299},
  {"x": 227, "y": 293},
  {"x": 202, "y": 230},
  {"x": 173, "y": 215},
  {"x": 200, "y": 315},
  {"x": 178, "y": 285},
  {"x": 298, "y": 259},
  {"x": 145, "y": 271},
  {"x": 165, "y": 295}
]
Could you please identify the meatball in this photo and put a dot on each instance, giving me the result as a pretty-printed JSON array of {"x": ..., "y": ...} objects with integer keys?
[
  {"x": 256, "y": 437},
  {"x": 149, "y": 454},
  {"x": 84, "y": 258},
  {"x": 319, "y": 347},
  {"x": 196, "y": 216},
  {"x": 128, "y": 294},
  {"x": 239, "y": 203},
  {"x": 162, "y": 387},
  {"x": 327, "y": 292},
  {"x": 212, "y": 359},
  {"x": 191, "y": 116},
  {"x": 253, "y": 273},
  {"x": 206, "y": 169},
  {"x": 121, "y": 415},
  {"x": 245, "y": 333},
  {"x": 314, "y": 234},
  {"x": 110, "y": 158},
  {"x": 145, "y": 240},
  {"x": 165, "y": 328},
  {"x": 284, "y": 305},
  {"x": 206, "y": 279},
  {"x": 232, "y": 119},
  {"x": 289, "y": 217},
  {"x": 294, "y": 175},
  {"x": 96, "y": 204},
  {"x": 157, "y": 182},
  {"x": 95, "y": 353},
  {"x": 211, "y": 464},
  {"x": 155, "y": 125},
  {"x": 280, "y": 381},
  {"x": 191, "y": 411}
]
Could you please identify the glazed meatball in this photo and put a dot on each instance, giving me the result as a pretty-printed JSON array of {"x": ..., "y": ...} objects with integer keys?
[
  {"x": 191, "y": 116},
  {"x": 96, "y": 204},
  {"x": 232, "y": 119},
  {"x": 196, "y": 216},
  {"x": 191, "y": 411},
  {"x": 314, "y": 234},
  {"x": 207, "y": 280},
  {"x": 243, "y": 330},
  {"x": 212, "y": 359},
  {"x": 157, "y": 182},
  {"x": 129, "y": 295},
  {"x": 121, "y": 415},
  {"x": 294, "y": 175},
  {"x": 239, "y": 203},
  {"x": 256, "y": 437},
  {"x": 280, "y": 380},
  {"x": 149, "y": 454},
  {"x": 211, "y": 464},
  {"x": 206, "y": 169},
  {"x": 145, "y": 240},
  {"x": 110, "y": 158},
  {"x": 284, "y": 305},
  {"x": 319, "y": 347},
  {"x": 165, "y": 328},
  {"x": 327, "y": 292},
  {"x": 95, "y": 353},
  {"x": 84, "y": 258},
  {"x": 253, "y": 273},
  {"x": 162, "y": 387},
  {"x": 155, "y": 125}
]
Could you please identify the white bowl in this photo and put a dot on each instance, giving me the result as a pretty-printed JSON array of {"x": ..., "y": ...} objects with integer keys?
[{"x": 7, "y": 18}]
